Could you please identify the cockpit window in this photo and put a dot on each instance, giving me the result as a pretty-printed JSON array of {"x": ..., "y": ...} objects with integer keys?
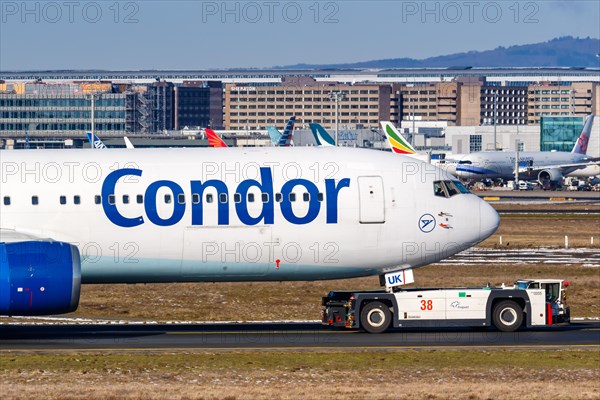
[
  {"x": 465, "y": 162},
  {"x": 438, "y": 189},
  {"x": 461, "y": 188},
  {"x": 448, "y": 188}
]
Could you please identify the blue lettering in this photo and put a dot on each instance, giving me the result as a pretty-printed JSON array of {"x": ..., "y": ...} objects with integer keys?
[
  {"x": 264, "y": 185},
  {"x": 313, "y": 205},
  {"x": 267, "y": 212},
  {"x": 108, "y": 189},
  {"x": 150, "y": 203},
  {"x": 331, "y": 192},
  {"x": 223, "y": 207}
]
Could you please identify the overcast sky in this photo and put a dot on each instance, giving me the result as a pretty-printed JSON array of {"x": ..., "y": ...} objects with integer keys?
[{"x": 67, "y": 34}]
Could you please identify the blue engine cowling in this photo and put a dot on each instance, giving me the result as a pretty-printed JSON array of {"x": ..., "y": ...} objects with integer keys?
[{"x": 39, "y": 278}]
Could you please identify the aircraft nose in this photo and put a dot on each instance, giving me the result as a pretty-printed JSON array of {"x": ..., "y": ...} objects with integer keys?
[{"x": 488, "y": 220}]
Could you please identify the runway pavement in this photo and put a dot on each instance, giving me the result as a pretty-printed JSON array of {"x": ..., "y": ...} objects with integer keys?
[{"x": 281, "y": 337}]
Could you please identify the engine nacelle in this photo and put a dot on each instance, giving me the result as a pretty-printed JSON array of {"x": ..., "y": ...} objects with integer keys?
[
  {"x": 552, "y": 174},
  {"x": 39, "y": 278}
]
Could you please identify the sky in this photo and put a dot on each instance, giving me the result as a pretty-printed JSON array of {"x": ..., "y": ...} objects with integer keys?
[{"x": 134, "y": 35}]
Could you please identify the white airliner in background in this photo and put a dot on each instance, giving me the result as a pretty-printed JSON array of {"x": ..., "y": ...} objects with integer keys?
[
  {"x": 245, "y": 214},
  {"x": 542, "y": 166}
]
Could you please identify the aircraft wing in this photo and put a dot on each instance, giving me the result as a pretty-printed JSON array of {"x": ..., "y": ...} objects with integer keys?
[{"x": 564, "y": 168}]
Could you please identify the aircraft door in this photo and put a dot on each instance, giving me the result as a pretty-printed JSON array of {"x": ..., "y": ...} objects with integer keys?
[{"x": 371, "y": 200}]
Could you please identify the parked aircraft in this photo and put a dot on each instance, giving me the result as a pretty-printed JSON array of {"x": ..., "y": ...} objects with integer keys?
[
  {"x": 282, "y": 139},
  {"x": 543, "y": 166}
]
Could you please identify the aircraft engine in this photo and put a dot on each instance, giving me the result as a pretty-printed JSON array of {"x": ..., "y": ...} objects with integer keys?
[
  {"x": 552, "y": 174},
  {"x": 39, "y": 278}
]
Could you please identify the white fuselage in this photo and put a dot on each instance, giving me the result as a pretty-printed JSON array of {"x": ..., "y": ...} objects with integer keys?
[
  {"x": 169, "y": 215},
  {"x": 501, "y": 164}
]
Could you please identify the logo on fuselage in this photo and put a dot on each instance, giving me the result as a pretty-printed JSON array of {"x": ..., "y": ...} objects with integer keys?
[
  {"x": 426, "y": 223},
  {"x": 265, "y": 186}
]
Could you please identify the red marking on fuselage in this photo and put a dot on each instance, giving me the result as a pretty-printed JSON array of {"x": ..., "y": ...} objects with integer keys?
[{"x": 277, "y": 264}]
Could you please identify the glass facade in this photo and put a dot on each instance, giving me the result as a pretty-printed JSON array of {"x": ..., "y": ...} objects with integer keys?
[
  {"x": 559, "y": 133},
  {"x": 68, "y": 114}
]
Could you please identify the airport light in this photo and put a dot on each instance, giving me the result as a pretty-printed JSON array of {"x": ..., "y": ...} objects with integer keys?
[
  {"x": 495, "y": 117},
  {"x": 92, "y": 97},
  {"x": 337, "y": 97}
]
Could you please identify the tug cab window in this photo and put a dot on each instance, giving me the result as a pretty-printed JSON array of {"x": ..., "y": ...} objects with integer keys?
[{"x": 448, "y": 188}]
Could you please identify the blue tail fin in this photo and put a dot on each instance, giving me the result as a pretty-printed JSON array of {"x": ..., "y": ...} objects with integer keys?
[
  {"x": 321, "y": 136},
  {"x": 274, "y": 134},
  {"x": 286, "y": 136},
  {"x": 95, "y": 142}
]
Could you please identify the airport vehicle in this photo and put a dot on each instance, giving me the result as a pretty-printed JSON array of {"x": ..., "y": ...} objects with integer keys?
[
  {"x": 529, "y": 302},
  {"x": 213, "y": 139},
  {"x": 282, "y": 139},
  {"x": 525, "y": 185},
  {"x": 541, "y": 166},
  {"x": 207, "y": 215}
]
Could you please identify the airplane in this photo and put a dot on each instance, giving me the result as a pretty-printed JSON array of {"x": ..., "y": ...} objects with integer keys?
[
  {"x": 96, "y": 143},
  {"x": 285, "y": 139},
  {"x": 322, "y": 137},
  {"x": 204, "y": 215},
  {"x": 541, "y": 166},
  {"x": 213, "y": 139},
  {"x": 399, "y": 145}
]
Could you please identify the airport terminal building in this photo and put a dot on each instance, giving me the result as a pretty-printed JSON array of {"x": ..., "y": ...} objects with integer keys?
[{"x": 435, "y": 106}]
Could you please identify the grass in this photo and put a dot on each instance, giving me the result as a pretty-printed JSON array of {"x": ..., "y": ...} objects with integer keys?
[{"x": 432, "y": 374}]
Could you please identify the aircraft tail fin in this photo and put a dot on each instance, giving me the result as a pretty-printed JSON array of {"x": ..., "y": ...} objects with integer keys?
[
  {"x": 213, "y": 139},
  {"x": 274, "y": 134},
  {"x": 584, "y": 137},
  {"x": 128, "y": 143},
  {"x": 286, "y": 136},
  {"x": 321, "y": 136},
  {"x": 95, "y": 141},
  {"x": 396, "y": 141}
]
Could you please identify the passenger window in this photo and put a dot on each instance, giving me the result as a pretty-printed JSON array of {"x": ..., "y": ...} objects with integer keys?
[
  {"x": 111, "y": 199},
  {"x": 76, "y": 200},
  {"x": 250, "y": 197},
  {"x": 125, "y": 199},
  {"x": 35, "y": 200},
  {"x": 319, "y": 196},
  {"x": 265, "y": 197},
  {"x": 7, "y": 200},
  {"x": 438, "y": 189},
  {"x": 139, "y": 198},
  {"x": 181, "y": 198},
  {"x": 167, "y": 199},
  {"x": 196, "y": 198},
  {"x": 305, "y": 197},
  {"x": 292, "y": 196},
  {"x": 223, "y": 198},
  {"x": 278, "y": 197},
  {"x": 237, "y": 198},
  {"x": 63, "y": 199},
  {"x": 209, "y": 198},
  {"x": 98, "y": 199}
]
